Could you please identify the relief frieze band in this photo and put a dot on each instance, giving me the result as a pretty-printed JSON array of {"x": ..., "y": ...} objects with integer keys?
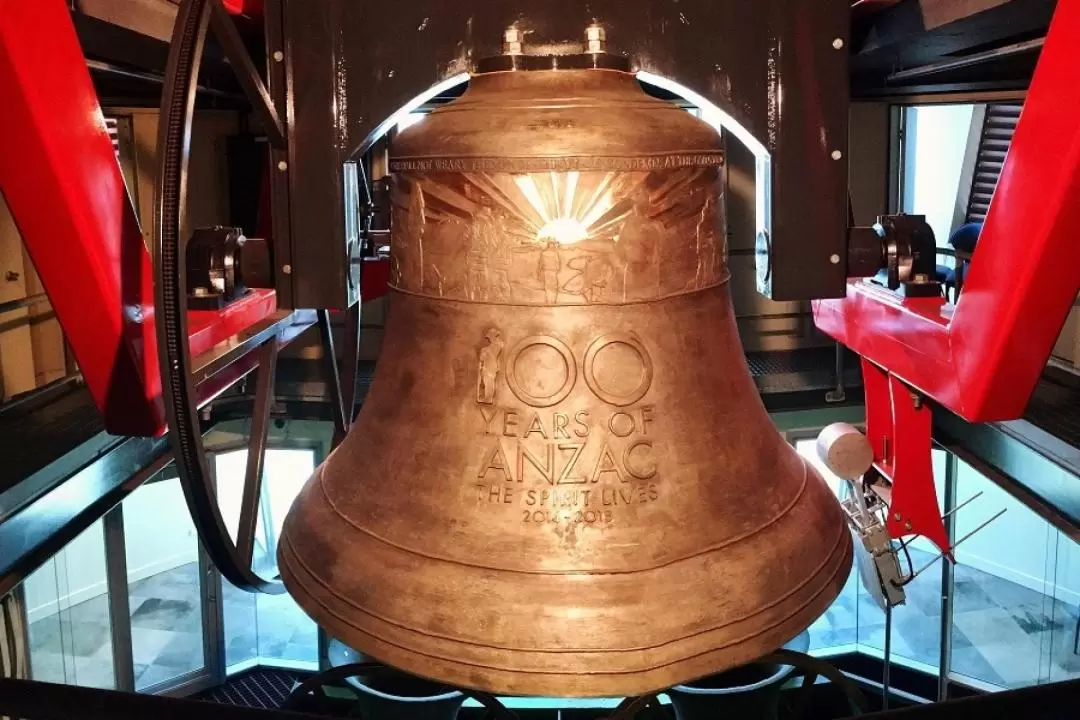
[{"x": 558, "y": 238}]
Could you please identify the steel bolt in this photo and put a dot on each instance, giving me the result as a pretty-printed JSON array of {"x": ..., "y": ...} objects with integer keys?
[
  {"x": 595, "y": 39},
  {"x": 907, "y": 526},
  {"x": 837, "y": 155},
  {"x": 283, "y": 166},
  {"x": 278, "y": 56},
  {"x": 838, "y": 44},
  {"x": 287, "y": 269},
  {"x": 834, "y": 259},
  {"x": 513, "y": 40},
  {"x": 898, "y": 517}
]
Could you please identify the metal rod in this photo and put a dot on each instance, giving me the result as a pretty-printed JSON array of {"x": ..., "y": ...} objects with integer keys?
[
  {"x": 839, "y": 393},
  {"x": 962, "y": 505},
  {"x": 246, "y": 74},
  {"x": 947, "y": 581},
  {"x": 937, "y": 557},
  {"x": 888, "y": 658},
  {"x": 23, "y": 302},
  {"x": 967, "y": 61},
  {"x": 110, "y": 69}
]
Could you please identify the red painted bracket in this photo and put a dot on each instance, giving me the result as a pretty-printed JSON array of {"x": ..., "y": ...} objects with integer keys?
[
  {"x": 374, "y": 278},
  {"x": 898, "y": 426},
  {"x": 251, "y": 8},
  {"x": 983, "y": 358},
  {"x": 63, "y": 185}
]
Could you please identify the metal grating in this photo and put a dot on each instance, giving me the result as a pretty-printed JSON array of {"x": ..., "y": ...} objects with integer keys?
[
  {"x": 261, "y": 688},
  {"x": 997, "y": 134}
]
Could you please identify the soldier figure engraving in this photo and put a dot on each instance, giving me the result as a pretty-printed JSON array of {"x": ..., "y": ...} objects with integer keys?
[
  {"x": 488, "y": 366},
  {"x": 708, "y": 251},
  {"x": 638, "y": 248},
  {"x": 548, "y": 270},
  {"x": 501, "y": 259}
]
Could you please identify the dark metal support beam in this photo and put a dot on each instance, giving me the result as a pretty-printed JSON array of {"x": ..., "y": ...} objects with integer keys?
[
  {"x": 116, "y": 575},
  {"x": 337, "y": 402},
  {"x": 256, "y": 455},
  {"x": 246, "y": 74}
]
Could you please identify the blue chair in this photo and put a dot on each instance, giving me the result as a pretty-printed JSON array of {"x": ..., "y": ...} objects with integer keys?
[{"x": 962, "y": 242}]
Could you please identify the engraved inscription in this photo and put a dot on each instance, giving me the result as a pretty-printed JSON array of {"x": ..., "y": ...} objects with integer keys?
[
  {"x": 566, "y": 237},
  {"x": 557, "y": 164},
  {"x": 561, "y": 464},
  {"x": 541, "y": 371}
]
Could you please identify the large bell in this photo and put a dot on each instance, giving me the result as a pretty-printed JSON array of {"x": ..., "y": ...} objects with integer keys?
[{"x": 563, "y": 481}]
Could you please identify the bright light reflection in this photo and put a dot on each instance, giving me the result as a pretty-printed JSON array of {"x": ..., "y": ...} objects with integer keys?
[
  {"x": 409, "y": 120},
  {"x": 408, "y": 108},
  {"x": 565, "y": 231},
  {"x": 563, "y": 217}
]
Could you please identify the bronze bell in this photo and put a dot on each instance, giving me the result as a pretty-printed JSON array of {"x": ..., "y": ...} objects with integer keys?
[{"x": 563, "y": 481}]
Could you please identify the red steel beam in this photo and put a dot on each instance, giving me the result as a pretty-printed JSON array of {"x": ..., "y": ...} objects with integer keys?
[
  {"x": 63, "y": 185},
  {"x": 983, "y": 357}
]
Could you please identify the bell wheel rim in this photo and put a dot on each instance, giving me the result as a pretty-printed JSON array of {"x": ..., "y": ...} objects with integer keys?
[{"x": 232, "y": 557}]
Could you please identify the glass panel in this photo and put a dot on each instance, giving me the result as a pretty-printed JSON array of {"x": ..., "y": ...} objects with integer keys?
[
  {"x": 1003, "y": 605},
  {"x": 164, "y": 584},
  {"x": 855, "y": 617},
  {"x": 838, "y": 626},
  {"x": 270, "y": 628},
  {"x": 230, "y": 470},
  {"x": 67, "y": 603},
  {"x": 916, "y": 625},
  {"x": 935, "y": 142},
  {"x": 1064, "y": 622}
]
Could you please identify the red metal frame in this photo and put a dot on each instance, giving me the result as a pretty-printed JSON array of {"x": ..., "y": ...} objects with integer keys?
[
  {"x": 63, "y": 185},
  {"x": 982, "y": 358},
  {"x": 244, "y": 7}
]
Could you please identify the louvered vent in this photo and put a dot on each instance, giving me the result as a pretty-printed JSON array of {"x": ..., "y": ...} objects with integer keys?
[
  {"x": 111, "y": 124},
  {"x": 997, "y": 134}
]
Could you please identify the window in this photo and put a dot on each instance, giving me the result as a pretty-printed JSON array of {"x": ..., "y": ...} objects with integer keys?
[
  {"x": 164, "y": 584},
  {"x": 268, "y": 629},
  {"x": 1014, "y": 602},
  {"x": 936, "y": 141},
  {"x": 856, "y": 622},
  {"x": 67, "y": 606}
]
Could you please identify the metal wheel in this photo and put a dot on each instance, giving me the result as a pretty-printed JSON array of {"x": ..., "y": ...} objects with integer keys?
[{"x": 233, "y": 559}]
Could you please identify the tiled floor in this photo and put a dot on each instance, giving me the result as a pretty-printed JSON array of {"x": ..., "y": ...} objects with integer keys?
[
  {"x": 1003, "y": 634},
  {"x": 74, "y": 646}
]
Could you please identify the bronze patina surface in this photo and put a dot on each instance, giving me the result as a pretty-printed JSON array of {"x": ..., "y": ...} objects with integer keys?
[{"x": 563, "y": 481}]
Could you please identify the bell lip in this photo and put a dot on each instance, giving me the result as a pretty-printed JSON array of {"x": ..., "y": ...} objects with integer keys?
[
  {"x": 800, "y": 643},
  {"x": 527, "y": 684}
]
